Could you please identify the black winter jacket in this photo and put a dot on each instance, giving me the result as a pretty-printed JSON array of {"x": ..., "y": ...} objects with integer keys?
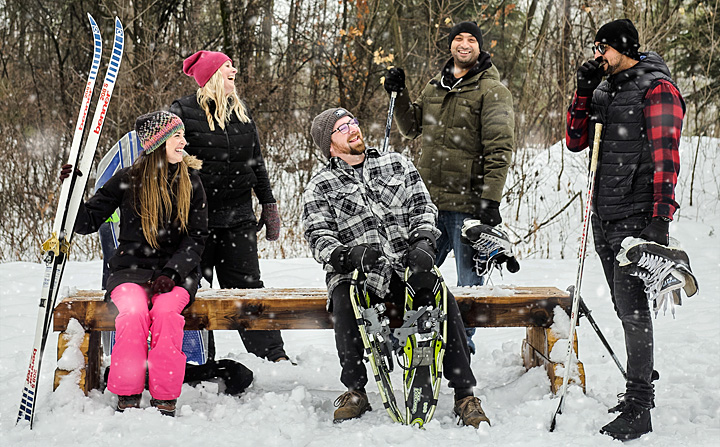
[
  {"x": 625, "y": 167},
  {"x": 233, "y": 165},
  {"x": 135, "y": 261}
]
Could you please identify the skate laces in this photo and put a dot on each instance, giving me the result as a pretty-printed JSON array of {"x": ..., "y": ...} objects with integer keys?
[
  {"x": 490, "y": 243},
  {"x": 656, "y": 270},
  {"x": 664, "y": 270},
  {"x": 354, "y": 396}
]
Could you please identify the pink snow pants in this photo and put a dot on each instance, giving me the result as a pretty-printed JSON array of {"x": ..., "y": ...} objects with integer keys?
[{"x": 165, "y": 361}]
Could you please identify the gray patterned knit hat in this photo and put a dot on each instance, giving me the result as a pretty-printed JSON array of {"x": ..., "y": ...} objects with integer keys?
[{"x": 154, "y": 128}]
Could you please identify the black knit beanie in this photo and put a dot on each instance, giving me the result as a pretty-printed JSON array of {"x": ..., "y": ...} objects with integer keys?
[
  {"x": 621, "y": 35},
  {"x": 466, "y": 27}
]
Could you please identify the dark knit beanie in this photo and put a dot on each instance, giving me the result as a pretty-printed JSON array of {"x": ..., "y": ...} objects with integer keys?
[
  {"x": 466, "y": 27},
  {"x": 322, "y": 127},
  {"x": 154, "y": 128},
  {"x": 621, "y": 35}
]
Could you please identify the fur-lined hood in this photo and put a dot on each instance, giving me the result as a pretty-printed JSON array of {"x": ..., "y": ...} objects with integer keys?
[{"x": 193, "y": 162}]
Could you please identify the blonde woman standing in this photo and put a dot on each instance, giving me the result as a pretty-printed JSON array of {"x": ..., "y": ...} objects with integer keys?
[
  {"x": 153, "y": 273},
  {"x": 221, "y": 133}
]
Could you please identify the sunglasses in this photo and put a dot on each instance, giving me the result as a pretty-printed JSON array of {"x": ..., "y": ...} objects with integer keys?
[
  {"x": 345, "y": 128},
  {"x": 600, "y": 48}
]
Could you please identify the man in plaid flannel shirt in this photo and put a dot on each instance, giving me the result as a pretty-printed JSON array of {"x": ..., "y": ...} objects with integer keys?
[
  {"x": 641, "y": 110},
  {"x": 371, "y": 212}
]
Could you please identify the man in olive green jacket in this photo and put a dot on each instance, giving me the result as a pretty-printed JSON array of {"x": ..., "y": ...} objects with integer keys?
[{"x": 465, "y": 116}]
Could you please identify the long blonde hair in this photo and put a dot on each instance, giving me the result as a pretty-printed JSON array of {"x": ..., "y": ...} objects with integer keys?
[
  {"x": 153, "y": 191},
  {"x": 225, "y": 105}
]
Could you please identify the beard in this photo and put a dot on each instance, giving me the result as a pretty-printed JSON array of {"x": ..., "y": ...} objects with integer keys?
[
  {"x": 611, "y": 69},
  {"x": 358, "y": 150},
  {"x": 466, "y": 65}
]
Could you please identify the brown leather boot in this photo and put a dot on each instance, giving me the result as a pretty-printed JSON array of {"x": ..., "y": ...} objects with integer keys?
[
  {"x": 351, "y": 404},
  {"x": 166, "y": 407},
  {"x": 125, "y": 402},
  {"x": 470, "y": 412}
]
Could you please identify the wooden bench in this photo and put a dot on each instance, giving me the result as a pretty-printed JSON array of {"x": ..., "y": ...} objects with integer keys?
[{"x": 304, "y": 308}]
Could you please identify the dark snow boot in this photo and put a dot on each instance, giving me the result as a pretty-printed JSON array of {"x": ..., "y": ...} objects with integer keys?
[
  {"x": 125, "y": 402},
  {"x": 620, "y": 407},
  {"x": 351, "y": 405},
  {"x": 633, "y": 422},
  {"x": 165, "y": 407}
]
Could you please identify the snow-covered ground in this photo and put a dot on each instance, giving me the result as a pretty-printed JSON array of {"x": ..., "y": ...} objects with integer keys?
[{"x": 292, "y": 405}]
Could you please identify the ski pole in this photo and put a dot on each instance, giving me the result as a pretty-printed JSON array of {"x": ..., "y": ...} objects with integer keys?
[
  {"x": 578, "y": 278},
  {"x": 391, "y": 110},
  {"x": 586, "y": 312}
]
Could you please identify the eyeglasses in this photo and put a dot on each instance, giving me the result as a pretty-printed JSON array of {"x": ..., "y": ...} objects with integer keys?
[
  {"x": 345, "y": 128},
  {"x": 600, "y": 48}
]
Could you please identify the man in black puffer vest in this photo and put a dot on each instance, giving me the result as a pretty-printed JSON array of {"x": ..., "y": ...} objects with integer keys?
[{"x": 641, "y": 111}]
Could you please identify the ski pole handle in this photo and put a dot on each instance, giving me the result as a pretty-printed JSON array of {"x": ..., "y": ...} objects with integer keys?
[{"x": 595, "y": 149}]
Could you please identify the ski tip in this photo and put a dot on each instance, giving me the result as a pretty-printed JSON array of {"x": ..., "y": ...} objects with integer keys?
[{"x": 118, "y": 23}]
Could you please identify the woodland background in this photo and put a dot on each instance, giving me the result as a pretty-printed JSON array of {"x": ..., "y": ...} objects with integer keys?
[{"x": 296, "y": 58}]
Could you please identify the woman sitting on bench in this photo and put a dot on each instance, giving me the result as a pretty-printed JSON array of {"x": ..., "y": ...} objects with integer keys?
[{"x": 153, "y": 274}]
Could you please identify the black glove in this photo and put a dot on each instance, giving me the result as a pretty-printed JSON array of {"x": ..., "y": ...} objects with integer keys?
[
  {"x": 657, "y": 231},
  {"x": 589, "y": 76},
  {"x": 395, "y": 80},
  {"x": 421, "y": 256},
  {"x": 489, "y": 212},
  {"x": 511, "y": 263},
  {"x": 66, "y": 170},
  {"x": 361, "y": 257},
  {"x": 164, "y": 283}
]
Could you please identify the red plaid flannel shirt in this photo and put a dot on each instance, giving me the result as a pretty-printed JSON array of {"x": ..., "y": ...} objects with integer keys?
[{"x": 663, "y": 120}]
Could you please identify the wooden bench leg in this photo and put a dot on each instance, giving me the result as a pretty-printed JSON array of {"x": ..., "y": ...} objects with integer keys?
[
  {"x": 91, "y": 349},
  {"x": 536, "y": 349}
]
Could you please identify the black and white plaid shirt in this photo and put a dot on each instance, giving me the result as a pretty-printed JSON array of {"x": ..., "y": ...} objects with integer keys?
[{"x": 380, "y": 209}]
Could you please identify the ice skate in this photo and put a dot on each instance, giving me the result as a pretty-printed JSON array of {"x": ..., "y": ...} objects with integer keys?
[{"x": 493, "y": 248}]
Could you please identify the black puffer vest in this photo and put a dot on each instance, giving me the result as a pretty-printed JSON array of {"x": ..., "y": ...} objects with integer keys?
[
  {"x": 233, "y": 164},
  {"x": 624, "y": 182}
]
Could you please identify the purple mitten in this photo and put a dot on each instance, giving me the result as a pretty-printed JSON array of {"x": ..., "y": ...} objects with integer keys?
[{"x": 271, "y": 218}]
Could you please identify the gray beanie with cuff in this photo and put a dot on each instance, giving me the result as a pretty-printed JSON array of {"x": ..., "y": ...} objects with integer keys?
[{"x": 322, "y": 127}]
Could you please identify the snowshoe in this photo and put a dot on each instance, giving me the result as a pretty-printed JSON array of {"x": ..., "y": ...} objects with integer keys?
[
  {"x": 664, "y": 270},
  {"x": 422, "y": 339},
  {"x": 493, "y": 248},
  {"x": 375, "y": 333}
]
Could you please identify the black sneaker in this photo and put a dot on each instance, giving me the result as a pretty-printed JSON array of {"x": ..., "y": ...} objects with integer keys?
[
  {"x": 633, "y": 422},
  {"x": 351, "y": 405},
  {"x": 165, "y": 407},
  {"x": 125, "y": 402}
]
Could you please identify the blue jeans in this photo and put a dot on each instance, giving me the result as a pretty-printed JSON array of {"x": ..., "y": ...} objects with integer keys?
[{"x": 450, "y": 224}]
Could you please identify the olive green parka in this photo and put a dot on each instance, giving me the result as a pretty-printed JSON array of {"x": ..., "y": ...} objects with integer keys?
[{"x": 467, "y": 136}]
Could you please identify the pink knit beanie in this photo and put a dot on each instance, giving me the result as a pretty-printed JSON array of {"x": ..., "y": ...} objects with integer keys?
[{"x": 203, "y": 64}]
